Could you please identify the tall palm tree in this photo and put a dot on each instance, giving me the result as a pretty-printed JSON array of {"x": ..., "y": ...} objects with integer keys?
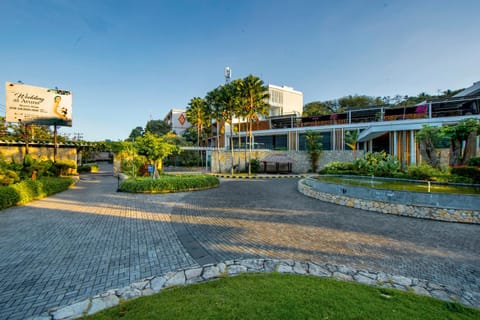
[
  {"x": 216, "y": 108},
  {"x": 254, "y": 98},
  {"x": 198, "y": 115}
]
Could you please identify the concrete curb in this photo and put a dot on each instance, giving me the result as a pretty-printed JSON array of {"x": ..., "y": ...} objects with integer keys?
[
  {"x": 152, "y": 285},
  {"x": 228, "y": 176}
]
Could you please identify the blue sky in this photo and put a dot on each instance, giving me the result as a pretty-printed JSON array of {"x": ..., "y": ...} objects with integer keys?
[{"x": 129, "y": 61}]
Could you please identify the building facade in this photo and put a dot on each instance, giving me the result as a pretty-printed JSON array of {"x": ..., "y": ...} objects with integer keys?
[{"x": 177, "y": 120}]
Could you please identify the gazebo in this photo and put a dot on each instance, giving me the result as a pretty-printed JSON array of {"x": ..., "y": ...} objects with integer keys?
[{"x": 277, "y": 159}]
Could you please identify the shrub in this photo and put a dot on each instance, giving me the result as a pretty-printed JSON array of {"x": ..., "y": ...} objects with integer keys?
[
  {"x": 377, "y": 163},
  {"x": 87, "y": 168},
  {"x": 423, "y": 172},
  {"x": 255, "y": 165},
  {"x": 474, "y": 162},
  {"x": 28, "y": 190},
  {"x": 338, "y": 168},
  {"x": 169, "y": 183},
  {"x": 472, "y": 173},
  {"x": 64, "y": 168}
]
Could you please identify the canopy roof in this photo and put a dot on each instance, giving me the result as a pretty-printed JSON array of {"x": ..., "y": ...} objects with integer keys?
[{"x": 277, "y": 158}]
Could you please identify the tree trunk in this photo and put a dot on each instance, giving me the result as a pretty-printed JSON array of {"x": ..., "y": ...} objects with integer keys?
[
  {"x": 455, "y": 152},
  {"x": 470, "y": 147},
  {"x": 429, "y": 153}
]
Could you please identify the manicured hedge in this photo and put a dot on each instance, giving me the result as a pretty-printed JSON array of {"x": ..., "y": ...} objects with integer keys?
[
  {"x": 169, "y": 183},
  {"x": 28, "y": 190},
  {"x": 472, "y": 173},
  {"x": 87, "y": 168}
]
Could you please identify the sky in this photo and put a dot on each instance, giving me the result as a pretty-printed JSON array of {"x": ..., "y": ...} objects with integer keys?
[{"x": 129, "y": 61}]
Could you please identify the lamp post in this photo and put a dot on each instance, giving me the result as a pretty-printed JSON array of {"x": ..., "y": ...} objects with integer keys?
[{"x": 228, "y": 75}]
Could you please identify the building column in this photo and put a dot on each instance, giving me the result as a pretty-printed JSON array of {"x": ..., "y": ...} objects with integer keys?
[
  {"x": 413, "y": 148},
  {"x": 395, "y": 144}
]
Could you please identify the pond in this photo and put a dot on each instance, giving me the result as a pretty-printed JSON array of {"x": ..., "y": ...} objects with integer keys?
[{"x": 401, "y": 184}]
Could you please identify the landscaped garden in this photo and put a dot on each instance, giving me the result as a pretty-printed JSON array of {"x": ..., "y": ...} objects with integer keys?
[
  {"x": 23, "y": 182},
  {"x": 282, "y": 296}
]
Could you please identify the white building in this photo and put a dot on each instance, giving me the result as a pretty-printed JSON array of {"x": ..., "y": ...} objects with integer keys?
[
  {"x": 177, "y": 119},
  {"x": 284, "y": 101}
]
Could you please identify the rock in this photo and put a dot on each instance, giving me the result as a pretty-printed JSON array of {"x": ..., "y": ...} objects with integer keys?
[
  {"x": 403, "y": 281},
  {"x": 139, "y": 285},
  {"x": 177, "y": 280},
  {"x": 128, "y": 293},
  {"x": 194, "y": 280},
  {"x": 253, "y": 264},
  {"x": 442, "y": 295},
  {"x": 193, "y": 273},
  {"x": 420, "y": 290},
  {"x": 300, "y": 268},
  {"x": 342, "y": 276},
  {"x": 75, "y": 310},
  {"x": 236, "y": 269},
  {"x": 103, "y": 303},
  {"x": 147, "y": 292},
  {"x": 270, "y": 265},
  {"x": 316, "y": 270},
  {"x": 365, "y": 280},
  {"x": 211, "y": 272},
  {"x": 346, "y": 270},
  {"x": 41, "y": 318},
  {"x": 157, "y": 283},
  {"x": 284, "y": 268},
  {"x": 222, "y": 267}
]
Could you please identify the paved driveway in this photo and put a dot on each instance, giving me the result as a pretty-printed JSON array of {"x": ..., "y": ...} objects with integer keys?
[{"x": 89, "y": 239}]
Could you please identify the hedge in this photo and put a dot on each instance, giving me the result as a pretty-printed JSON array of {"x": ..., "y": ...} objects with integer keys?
[
  {"x": 87, "y": 168},
  {"x": 472, "y": 173},
  {"x": 28, "y": 190},
  {"x": 169, "y": 183}
]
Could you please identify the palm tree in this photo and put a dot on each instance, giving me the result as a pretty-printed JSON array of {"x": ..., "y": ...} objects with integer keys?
[
  {"x": 351, "y": 140},
  {"x": 198, "y": 115},
  {"x": 216, "y": 109},
  {"x": 254, "y": 98}
]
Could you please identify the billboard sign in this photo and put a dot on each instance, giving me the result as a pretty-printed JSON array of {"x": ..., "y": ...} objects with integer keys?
[{"x": 30, "y": 104}]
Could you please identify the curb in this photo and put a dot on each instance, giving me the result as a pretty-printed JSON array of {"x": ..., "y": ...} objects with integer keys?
[
  {"x": 228, "y": 176},
  {"x": 155, "y": 284}
]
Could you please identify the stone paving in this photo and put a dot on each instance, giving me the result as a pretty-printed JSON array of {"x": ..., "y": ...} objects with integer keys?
[
  {"x": 90, "y": 239},
  {"x": 270, "y": 219},
  {"x": 83, "y": 242}
]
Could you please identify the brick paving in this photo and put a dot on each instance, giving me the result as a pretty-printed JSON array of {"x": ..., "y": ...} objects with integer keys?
[
  {"x": 269, "y": 218},
  {"x": 83, "y": 242},
  {"x": 90, "y": 239}
]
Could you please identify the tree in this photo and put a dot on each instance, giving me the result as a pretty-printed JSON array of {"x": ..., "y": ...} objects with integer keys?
[
  {"x": 137, "y": 132},
  {"x": 351, "y": 140},
  {"x": 428, "y": 137},
  {"x": 253, "y": 97},
  {"x": 462, "y": 138},
  {"x": 216, "y": 108},
  {"x": 357, "y": 101},
  {"x": 314, "y": 148},
  {"x": 158, "y": 127},
  {"x": 156, "y": 148},
  {"x": 198, "y": 115},
  {"x": 317, "y": 108}
]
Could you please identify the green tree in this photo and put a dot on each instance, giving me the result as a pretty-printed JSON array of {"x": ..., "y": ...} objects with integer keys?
[
  {"x": 317, "y": 108},
  {"x": 462, "y": 138},
  {"x": 156, "y": 148},
  {"x": 137, "y": 132},
  {"x": 254, "y": 99},
  {"x": 351, "y": 140},
  {"x": 216, "y": 108},
  {"x": 357, "y": 101},
  {"x": 428, "y": 137},
  {"x": 314, "y": 148},
  {"x": 198, "y": 115},
  {"x": 158, "y": 127}
]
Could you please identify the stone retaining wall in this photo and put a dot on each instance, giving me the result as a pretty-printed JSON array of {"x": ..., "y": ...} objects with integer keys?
[
  {"x": 156, "y": 284},
  {"x": 403, "y": 209}
]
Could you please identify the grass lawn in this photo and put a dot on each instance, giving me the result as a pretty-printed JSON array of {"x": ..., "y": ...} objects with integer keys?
[{"x": 283, "y": 296}]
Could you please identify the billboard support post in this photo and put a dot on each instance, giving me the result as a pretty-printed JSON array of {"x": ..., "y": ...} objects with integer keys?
[{"x": 55, "y": 145}]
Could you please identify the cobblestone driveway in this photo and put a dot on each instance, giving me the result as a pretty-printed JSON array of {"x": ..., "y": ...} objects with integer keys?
[
  {"x": 269, "y": 218},
  {"x": 83, "y": 242},
  {"x": 89, "y": 239}
]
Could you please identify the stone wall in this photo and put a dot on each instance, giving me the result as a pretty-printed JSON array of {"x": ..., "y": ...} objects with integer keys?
[
  {"x": 16, "y": 153},
  {"x": 222, "y": 160},
  {"x": 404, "y": 209}
]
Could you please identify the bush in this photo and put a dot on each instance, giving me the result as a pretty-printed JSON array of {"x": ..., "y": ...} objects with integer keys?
[
  {"x": 28, "y": 190},
  {"x": 87, "y": 168},
  {"x": 474, "y": 162},
  {"x": 423, "y": 172},
  {"x": 64, "y": 168},
  {"x": 471, "y": 174},
  {"x": 169, "y": 183},
  {"x": 255, "y": 165},
  {"x": 338, "y": 168},
  {"x": 377, "y": 163}
]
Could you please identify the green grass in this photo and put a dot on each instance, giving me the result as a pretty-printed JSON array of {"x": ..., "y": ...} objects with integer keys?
[{"x": 282, "y": 296}]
